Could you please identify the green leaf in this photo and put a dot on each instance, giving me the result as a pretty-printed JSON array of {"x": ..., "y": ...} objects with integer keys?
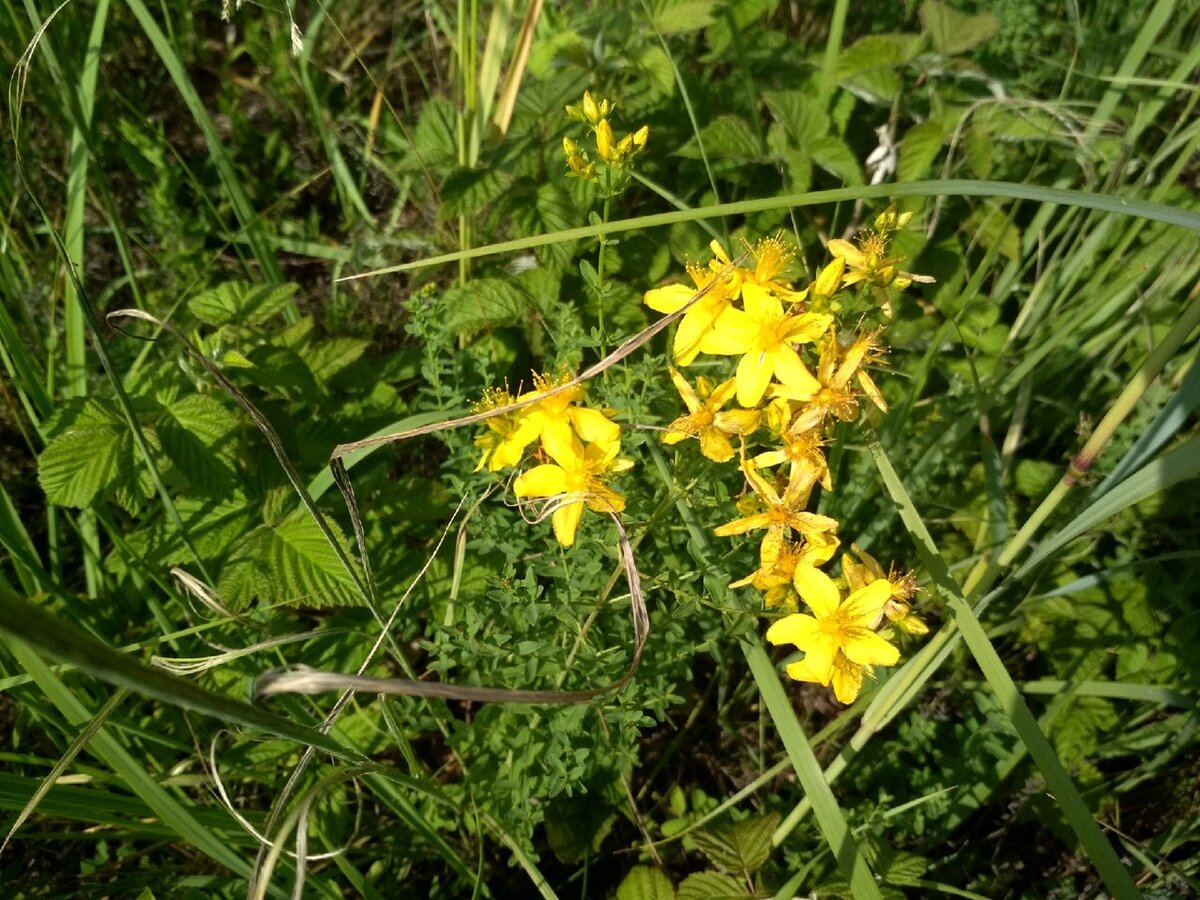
[
  {"x": 288, "y": 562},
  {"x": 981, "y": 155},
  {"x": 281, "y": 370},
  {"x": 682, "y": 16},
  {"x": 91, "y": 454},
  {"x": 800, "y": 113},
  {"x": 328, "y": 357},
  {"x": 484, "y": 303},
  {"x": 832, "y": 154},
  {"x": 466, "y": 190},
  {"x": 1034, "y": 477},
  {"x": 870, "y": 66},
  {"x": 989, "y": 225},
  {"x": 575, "y": 826},
  {"x": 725, "y": 137},
  {"x": 711, "y": 886},
  {"x": 738, "y": 846},
  {"x": 645, "y": 883},
  {"x": 433, "y": 142},
  {"x": 919, "y": 148},
  {"x": 194, "y": 435},
  {"x": 953, "y": 32},
  {"x": 243, "y": 302}
]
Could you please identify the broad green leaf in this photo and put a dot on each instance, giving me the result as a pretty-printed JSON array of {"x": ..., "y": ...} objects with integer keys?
[
  {"x": 282, "y": 371},
  {"x": 800, "y": 113},
  {"x": 870, "y": 67},
  {"x": 725, "y": 137},
  {"x": 919, "y": 148},
  {"x": 194, "y": 434},
  {"x": 682, "y": 16},
  {"x": 655, "y": 65},
  {"x": 325, "y": 358},
  {"x": 288, "y": 562},
  {"x": 953, "y": 32},
  {"x": 575, "y": 826},
  {"x": 712, "y": 886},
  {"x": 981, "y": 155},
  {"x": 91, "y": 454},
  {"x": 990, "y": 227},
  {"x": 433, "y": 140},
  {"x": 243, "y": 302},
  {"x": 738, "y": 846},
  {"x": 645, "y": 883},
  {"x": 832, "y": 154},
  {"x": 467, "y": 190},
  {"x": 483, "y": 303}
]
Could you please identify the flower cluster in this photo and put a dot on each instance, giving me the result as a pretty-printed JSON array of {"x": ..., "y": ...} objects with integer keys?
[
  {"x": 614, "y": 152},
  {"x": 577, "y": 449},
  {"x": 797, "y": 374}
]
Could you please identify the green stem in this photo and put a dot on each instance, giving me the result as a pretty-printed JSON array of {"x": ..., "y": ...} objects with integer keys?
[{"x": 600, "y": 263}]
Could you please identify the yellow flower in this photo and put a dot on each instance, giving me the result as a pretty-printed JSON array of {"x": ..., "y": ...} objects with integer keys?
[
  {"x": 508, "y": 434},
  {"x": 802, "y": 450},
  {"x": 837, "y": 626},
  {"x": 771, "y": 257},
  {"x": 554, "y": 417},
  {"x": 780, "y": 513},
  {"x": 903, "y": 587},
  {"x": 774, "y": 574},
  {"x": 699, "y": 320},
  {"x": 831, "y": 393},
  {"x": 577, "y": 477},
  {"x": 867, "y": 260},
  {"x": 764, "y": 336},
  {"x": 706, "y": 420}
]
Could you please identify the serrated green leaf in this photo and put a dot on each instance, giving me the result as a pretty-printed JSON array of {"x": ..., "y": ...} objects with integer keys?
[
  {"x": 981, "y": 155},
  {"x": 467, "y": 190},
  {"x": 682, "y": 16},
  {"x": 870, "y": 68},
  {"x": 711, "y": 886},
  {"x": 904, "y": 868},
  {"x": 575, "y": 826},
  {"x": 213, "y": 526},
  {"x": 725, "y": 137},
  {"x": 242, "y": 302},
  {"x": 282, "y": 370},
  {"x": 919, "y": 148},
  {"x": 433, "y": 141},
  {"x": 833, "y": 155},
  {"x": 483, "y": 303},
  {"x": 799, "y": 168},
  {"x": 194, "y": 434},
  {"x": 91, "y": 452},
  {"x": 1034, "y": 477},
  {"x": 800, "y": 112},
  {"x": 738, "y": 846},
  {"x": 325, "y": 358},
  {"x": 655, "y": 65},
  {"x": 288, "y": 562},
  {"x": 953, "y": 32},
  {"x": 645, "y": 883},
  {"x": 991, "y": 228}
]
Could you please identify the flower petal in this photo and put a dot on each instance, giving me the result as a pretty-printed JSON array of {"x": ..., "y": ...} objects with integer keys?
[
  {"x": 869, "y": 649},
  {"x": 592, "y": 426},
  {"x": 742, "y": 525},
  {"x": 541, "y": 481},
  {"x": 791, "y": 371},
  {"x": 560, "y": 442},
  {"x": 690, "y": 400},
  {"x": 847, "y": 680},
  {"x": 807, "y": 328},
  {"x": 668, "y": 299},
  {"x": 731, "y": 334},
  {"x": 695, "y": 328},
  {"x": 818, "y": 660},
  {"x": 866, "y": 603},
  {"x": 798, "y": 629},
  {"x": 715, "y": 445},
  {"x": 565, "y": 521},
  {"x": 737, "y": 421},
  {"x": 760, "y": 304},
  {"x": 817, "y": 589},
  {"x": 847, "y": 251},
  {"x": 753, "y": 375}
]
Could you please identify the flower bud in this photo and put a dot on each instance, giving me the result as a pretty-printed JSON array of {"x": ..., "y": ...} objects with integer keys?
[
  {"x": 641, "y": 136},
  {"x": 590, "y": 110},
  {"x": 604, "y": 140}
]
